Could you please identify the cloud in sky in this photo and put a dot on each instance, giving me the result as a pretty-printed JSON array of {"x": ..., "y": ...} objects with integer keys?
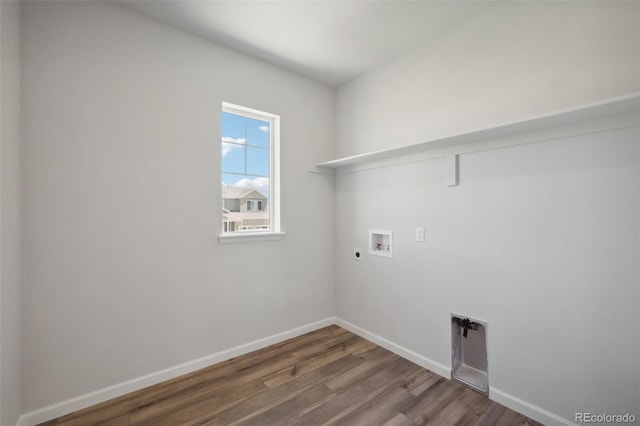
[
  {"x": 228, "y": 147},
  {"x": 264, "y": 129},
  {"x": 259, "y": 183}
]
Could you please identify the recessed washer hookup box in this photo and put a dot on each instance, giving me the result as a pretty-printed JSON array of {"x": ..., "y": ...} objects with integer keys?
[{"x": 469, "y": 353}]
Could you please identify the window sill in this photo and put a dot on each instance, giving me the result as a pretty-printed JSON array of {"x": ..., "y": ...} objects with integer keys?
[{"x": 250, "y": 237}]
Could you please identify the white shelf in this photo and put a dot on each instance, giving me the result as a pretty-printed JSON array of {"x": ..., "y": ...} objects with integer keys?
[{"x": 623, "y": 104}]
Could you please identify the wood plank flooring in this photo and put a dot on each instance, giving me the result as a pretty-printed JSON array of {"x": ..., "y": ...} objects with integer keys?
[{"x": 326, "y": 377}]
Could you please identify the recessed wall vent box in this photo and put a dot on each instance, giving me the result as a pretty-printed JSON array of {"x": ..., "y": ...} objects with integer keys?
[
  {"x": 380, "y": 243},
  {"x": 469, "y": 353}
]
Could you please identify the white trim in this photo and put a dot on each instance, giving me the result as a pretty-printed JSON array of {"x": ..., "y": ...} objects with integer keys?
[
  {"x": 248, "y": 112},
  {"x": 275, "y": 204},
  {"x": 523, "y": 407},
  {"x": 249, "y": 237},
  {"x": 50, "y": 412},
  {"x": 274, "y": 159},
  {"x": 412, "y": 356}
]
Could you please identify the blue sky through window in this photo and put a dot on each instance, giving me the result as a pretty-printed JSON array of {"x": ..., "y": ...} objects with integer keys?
[{"x": 245, "y": 152}]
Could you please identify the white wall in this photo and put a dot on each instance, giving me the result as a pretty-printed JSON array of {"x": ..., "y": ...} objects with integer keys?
[
  {"x": 541, "y": 240},
  {"x": 123, "y": 275},
  {"x": 516, "y": 60},
  {"x": 10, "y": 212},
  {"x": 123, "y": 272}
]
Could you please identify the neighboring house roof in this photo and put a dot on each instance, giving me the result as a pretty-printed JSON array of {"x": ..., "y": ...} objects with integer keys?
[{"x": 238, "y": 193}]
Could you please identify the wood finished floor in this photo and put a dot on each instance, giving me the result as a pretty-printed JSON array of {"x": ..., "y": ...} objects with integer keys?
[{"x": 329, "y": 376}]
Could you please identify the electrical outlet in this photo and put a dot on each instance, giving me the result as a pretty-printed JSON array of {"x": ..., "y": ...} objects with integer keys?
[
  {"x": 420, "y": 234},
  {"x": 357, "y": 254}
]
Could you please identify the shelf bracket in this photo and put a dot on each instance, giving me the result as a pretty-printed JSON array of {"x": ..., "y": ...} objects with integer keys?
[
  {"x": 452, "y": 170},
  {"x": 319, "y": 171}
]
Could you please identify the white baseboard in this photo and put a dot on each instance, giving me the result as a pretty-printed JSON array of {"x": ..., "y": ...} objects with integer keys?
[
  {"x": 65, "y": 407},
  {"x": 523, "y": 407},
  {"x": 412, "y": 356},
  {"x": 50, "y": 412}
]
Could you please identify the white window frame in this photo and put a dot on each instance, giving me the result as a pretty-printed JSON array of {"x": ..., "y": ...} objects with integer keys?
[{"x": 275, "y": 232}]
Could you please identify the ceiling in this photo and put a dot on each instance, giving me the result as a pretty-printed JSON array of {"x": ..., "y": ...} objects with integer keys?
[{"x": 328, "y": 41}]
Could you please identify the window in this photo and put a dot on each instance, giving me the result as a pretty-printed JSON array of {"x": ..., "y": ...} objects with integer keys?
[
  {"x": 249, "y": 172},
  {"x": 254, "y": 205}
]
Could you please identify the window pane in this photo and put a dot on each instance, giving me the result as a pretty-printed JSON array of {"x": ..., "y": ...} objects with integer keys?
[
  {"x": 257, "y": 161},
  {"x": 260, "y": 184},
  {"x": 233, "y": 126},
  {"x": 230, "y": 180},
  {"x": 258, "y": 132},
  {"x": 233, "y": 158},
  {"x": 243, "y": 208},
  {"x": 233, "y": 142},
  {"x": 246, "y": 156}
]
